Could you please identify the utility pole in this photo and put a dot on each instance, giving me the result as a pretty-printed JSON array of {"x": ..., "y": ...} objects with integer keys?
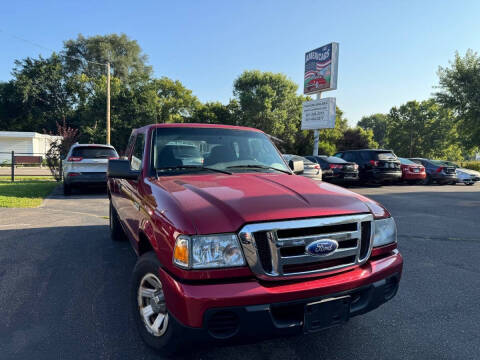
[
  {"x": 108, "y": 103},
  {"x": 316, "y": 133}
]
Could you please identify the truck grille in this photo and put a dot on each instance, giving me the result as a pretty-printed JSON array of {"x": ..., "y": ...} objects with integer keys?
[{"x": 276, "y": 250}]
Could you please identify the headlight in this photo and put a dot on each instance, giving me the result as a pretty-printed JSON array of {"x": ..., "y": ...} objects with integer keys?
[
  {"x": 208, "y": 251},
  {"x": 385, "y": 232}
]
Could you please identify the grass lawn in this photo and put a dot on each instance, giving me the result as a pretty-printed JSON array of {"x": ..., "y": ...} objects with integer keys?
[{"x": 26, "y": 191}]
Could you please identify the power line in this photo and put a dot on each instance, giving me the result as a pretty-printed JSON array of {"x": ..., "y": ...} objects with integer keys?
[{"x": 46, "y": 48}]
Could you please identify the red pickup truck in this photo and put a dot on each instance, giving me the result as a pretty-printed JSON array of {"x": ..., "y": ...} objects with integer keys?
[{"x": 232, "y": 243}]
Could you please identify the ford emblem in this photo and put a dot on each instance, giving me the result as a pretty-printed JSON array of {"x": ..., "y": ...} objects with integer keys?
[{"x": 322, "y": 247}]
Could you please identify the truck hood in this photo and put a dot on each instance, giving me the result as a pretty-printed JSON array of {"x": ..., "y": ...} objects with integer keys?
[{"x": 220, "y": 203}]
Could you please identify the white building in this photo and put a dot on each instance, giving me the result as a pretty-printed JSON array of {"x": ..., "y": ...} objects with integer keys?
[{"x": 24, "y": 143}]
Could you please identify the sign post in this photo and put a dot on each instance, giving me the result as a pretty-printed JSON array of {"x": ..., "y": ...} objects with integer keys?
[{"x": 321, "y": 72}]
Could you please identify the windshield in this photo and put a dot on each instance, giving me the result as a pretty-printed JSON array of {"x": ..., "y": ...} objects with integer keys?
[{"x": 215, "y": 148}]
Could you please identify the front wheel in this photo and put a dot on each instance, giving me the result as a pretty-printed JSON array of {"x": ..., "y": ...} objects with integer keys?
[{"x": 156, "y": 326}]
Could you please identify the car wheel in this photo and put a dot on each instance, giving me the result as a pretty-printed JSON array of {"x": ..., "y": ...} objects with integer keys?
[
  {"x": 67, "y": 189},
  {"x": 157, "y": 327},
  {"x": 428, "y": 180},
  {"x": 116, "y": 230}
]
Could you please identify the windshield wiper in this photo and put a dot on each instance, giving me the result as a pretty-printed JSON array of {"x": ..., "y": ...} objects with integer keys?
[
  {"x": 194, "y": 167},
  {"x": 259, "y": 167}
]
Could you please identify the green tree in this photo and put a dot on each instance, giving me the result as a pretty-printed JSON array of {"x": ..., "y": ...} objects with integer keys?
[
  {"x": 270, "y": 102},
  {"x": 423, "y": 129},
  {"x": 86, "y": 55},
  {"x": 459, "y": 86},
  {"x": 378, "y": 123},
  {"x": 44, "y": 91},
  {"x": 217, "y": 113},
  {"x": 356, "y": 138},
  {"x": 175, "y": 103}
]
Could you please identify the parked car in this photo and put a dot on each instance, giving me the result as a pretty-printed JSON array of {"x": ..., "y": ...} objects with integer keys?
[
  {"x": 412, "y": 172},
  {"x": 241, "y": 247},
  {"x": 437, "y": 171},
  {"x": 310, "y": 169},
  {"x": 335, "y": 169},
  {"x": 86, "y": 164},
  {"x": 374, "y": 165},
  {"x": 465, "y": 176}
]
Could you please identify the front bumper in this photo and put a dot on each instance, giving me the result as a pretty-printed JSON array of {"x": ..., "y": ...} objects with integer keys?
[{"x": 252, "y": 302}]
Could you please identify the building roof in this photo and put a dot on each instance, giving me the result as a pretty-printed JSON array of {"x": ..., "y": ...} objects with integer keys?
[{"x": 26, "y": 134}]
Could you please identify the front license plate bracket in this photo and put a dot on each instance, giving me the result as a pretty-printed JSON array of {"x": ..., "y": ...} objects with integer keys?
[{"x": 326, "y": 313}]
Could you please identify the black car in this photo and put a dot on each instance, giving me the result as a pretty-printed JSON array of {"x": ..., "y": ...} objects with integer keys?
[
  {"x": 437, "y": 171},
  {"x": 374, "y": 165},
  {"x": 335, "y": 169}
]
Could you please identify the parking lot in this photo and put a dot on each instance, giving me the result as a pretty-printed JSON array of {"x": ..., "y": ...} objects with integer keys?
[{"x": 64, "y": 286}]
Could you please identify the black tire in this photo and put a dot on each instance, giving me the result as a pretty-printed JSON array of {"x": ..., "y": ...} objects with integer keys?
[
  {"x": 67, "y": 189},
  {"x": 168, "y": 343},
  {"x": 428, "y": 180},
  {"x": 116, "y": 230}
]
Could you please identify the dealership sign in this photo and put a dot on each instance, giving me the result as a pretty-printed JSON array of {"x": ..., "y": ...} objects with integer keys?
[
  {"x": 321, "y": 68},
  {"x": 319, "y": 114}
]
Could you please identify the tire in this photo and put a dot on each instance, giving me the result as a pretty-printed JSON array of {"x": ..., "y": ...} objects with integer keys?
[
  {"x": 67, "y": 189},
  {"x": 116, "y": 230},
  {"x": 428, "y": 180},
  {"x": 168, "y": 338}
]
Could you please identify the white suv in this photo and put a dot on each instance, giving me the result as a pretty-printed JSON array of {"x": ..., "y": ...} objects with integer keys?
[{"x": 86, "y": 164}]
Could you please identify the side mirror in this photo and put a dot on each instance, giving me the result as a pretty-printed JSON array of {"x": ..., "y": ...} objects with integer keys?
[
  {"x": 296, "y": 166},
  {"x": 121, "y": 169}
]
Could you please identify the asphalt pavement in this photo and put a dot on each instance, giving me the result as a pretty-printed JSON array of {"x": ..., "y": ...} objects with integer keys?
[{"x": 64, "y": 286}]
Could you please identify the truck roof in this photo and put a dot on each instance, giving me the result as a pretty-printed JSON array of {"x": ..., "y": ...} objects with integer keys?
[{"x": 196, "y": 125}]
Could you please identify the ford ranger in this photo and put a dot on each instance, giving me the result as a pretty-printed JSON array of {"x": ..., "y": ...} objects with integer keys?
[{"x": 231, "y": 243}]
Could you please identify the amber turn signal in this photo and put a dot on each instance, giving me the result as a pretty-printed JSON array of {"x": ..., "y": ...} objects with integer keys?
[{"x": 181, "y": 252}]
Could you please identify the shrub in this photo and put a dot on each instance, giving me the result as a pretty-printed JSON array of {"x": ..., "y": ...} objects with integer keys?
[
  {"x": 473, "y": 165},
  {"x": 59, "y": 149}
]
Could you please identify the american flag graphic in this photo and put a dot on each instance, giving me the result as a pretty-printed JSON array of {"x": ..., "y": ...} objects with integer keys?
[{"x": 322, "y": 65}]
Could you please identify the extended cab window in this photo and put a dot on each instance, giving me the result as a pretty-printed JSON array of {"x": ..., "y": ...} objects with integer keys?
[{"x": 137, "y": 153}]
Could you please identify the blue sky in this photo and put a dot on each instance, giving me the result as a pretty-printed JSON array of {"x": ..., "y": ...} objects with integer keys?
[{"x": 389, "y": 50}]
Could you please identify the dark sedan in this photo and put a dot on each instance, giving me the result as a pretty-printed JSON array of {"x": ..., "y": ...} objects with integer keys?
[
  {"x": 437, "y": 171},
  {"x": 336, "y": 170}
]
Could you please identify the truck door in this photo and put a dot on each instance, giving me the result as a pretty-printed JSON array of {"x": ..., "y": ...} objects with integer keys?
[{"x": 128, "y": 205}]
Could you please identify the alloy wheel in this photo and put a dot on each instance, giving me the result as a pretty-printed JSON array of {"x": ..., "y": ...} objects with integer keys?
[{"x": 151, "y": 305}]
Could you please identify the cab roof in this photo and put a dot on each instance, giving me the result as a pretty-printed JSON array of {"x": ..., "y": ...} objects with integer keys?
[{"x": 195, "y": 125}]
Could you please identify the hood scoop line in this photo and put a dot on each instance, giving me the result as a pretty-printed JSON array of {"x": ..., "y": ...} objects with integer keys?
[
  {"x": 298, "y": 195},
  {"x": 213, "y": 200}
]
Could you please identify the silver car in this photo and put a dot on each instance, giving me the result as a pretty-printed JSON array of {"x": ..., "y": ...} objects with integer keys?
[
  {"x": 310, "y": 169},
  {"x": 86, "y": 164}
]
